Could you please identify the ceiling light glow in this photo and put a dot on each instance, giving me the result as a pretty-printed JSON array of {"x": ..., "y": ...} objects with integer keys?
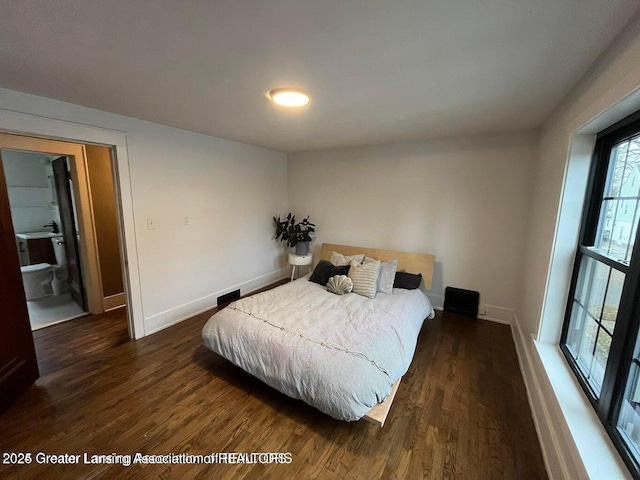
[{"x": 289, "y": 98}]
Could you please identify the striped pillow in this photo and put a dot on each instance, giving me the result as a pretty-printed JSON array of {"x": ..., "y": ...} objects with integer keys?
[{"x": 364, "y": 277}]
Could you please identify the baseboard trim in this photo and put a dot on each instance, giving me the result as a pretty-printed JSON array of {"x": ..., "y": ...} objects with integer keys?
[
  {"x": 496, "y": 314},
  {"x": 549, "y": 429},
  {"x": 162, "y": 320},
  {"x": 491, "y": 313},
  {"x": 113, "y": 301}
]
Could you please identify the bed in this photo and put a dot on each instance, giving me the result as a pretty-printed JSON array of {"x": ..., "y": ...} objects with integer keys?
[{"x": 342, "y": 354}]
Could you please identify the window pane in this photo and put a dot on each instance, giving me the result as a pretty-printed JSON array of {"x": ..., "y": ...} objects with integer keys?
[
  {"x": 597, "y": 289},
  {"x": 575, "y": 329},
  {"x": 587, "y": 343},
  {"x": 594, "y": 312},
  {"x": 599, "y": 364},
  {"x": 634, "y": 232},
  {"x": 618, "y": 220},
  {"x": 617, "y": 163},
  {"x": 612, "y": 300},
  {"x": 623, "y": 231},
  {"x": 587, "y": 266},
  {"x": 628, "y": 423},
  {"x": 629, "y": 418},
  {"x": 604, "y": 237}
]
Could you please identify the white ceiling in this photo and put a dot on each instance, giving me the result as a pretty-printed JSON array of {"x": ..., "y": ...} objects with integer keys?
[{"x": 377, "y": 71}]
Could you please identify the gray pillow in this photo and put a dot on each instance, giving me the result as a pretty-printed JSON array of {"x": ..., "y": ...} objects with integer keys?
[
  {"x": 387, "y": 275},
  {"x": 339, "y": 260}
]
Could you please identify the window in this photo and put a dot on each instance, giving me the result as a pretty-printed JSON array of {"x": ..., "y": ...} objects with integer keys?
[{"x": 600, "y": 334}]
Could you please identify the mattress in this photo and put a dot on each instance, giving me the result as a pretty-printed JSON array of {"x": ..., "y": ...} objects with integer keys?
[{"x": 338, "y": 353}]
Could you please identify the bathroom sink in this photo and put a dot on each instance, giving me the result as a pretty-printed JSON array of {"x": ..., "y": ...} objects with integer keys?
[{"x": 35, "y": 235}]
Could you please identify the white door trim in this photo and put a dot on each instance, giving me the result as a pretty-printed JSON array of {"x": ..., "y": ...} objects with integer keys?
[{"x": 32, "y": 125}]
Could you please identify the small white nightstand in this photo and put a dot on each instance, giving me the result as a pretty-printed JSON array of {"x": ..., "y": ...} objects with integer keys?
[{"x": 299, "y": 261}]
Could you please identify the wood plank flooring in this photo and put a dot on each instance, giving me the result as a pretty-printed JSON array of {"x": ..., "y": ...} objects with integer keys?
[{"x": 460, "y": 412}]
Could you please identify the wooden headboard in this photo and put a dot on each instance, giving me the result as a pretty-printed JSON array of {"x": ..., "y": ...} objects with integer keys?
[{"x": 407, "y": 262}]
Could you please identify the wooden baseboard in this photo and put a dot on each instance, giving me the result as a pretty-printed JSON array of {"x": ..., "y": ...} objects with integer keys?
[
  {"x": 378, "y": 413},
  {"x": 113, "y": 301}
]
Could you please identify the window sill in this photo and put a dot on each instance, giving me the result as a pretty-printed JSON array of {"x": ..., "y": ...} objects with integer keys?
[{"x": 596, "y": 451}]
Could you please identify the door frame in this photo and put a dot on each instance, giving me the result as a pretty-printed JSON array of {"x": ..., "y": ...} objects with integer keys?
[
  {"x": 57, "y": 130},
  {"x": 88, "y": 246}
]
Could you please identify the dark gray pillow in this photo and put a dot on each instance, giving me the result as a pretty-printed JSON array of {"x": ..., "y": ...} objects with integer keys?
[
  {"x": 325, "y": 270},
  {"x": 408, "y": 281}
]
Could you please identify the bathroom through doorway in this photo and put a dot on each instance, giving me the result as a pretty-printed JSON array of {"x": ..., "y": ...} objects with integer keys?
[{"x": 64, "y": 213}]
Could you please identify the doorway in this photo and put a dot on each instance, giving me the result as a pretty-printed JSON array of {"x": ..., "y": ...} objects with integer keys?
[
  {"x": 64, "y": 214},
  {"x": 18, "y": 364},
  {"x": 37, "y": 216}
]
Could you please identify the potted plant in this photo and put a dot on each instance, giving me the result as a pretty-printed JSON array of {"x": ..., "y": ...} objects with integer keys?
[{"x": 296, "y": 235}]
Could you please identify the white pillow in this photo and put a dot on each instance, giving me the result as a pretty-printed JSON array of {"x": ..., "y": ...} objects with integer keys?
[
  {"x": 339, "y": 260},
  {"x": 364, "y": 277},
  {"x": 387, "y": 275}
]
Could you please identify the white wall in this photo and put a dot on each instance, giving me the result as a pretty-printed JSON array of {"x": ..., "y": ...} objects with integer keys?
[
  {"x": 574, "y": 443},
  {"x": 464, "y": 200},
  {"x": 30, "y": 193},
  {"x": 229, "y": 191},
  {"x": 606, "y": 94}
]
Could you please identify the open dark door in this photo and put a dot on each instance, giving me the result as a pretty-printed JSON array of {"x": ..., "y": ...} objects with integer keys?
[
  {"x": 69, "y": 232},
  {"x": 18, "y": 363}
]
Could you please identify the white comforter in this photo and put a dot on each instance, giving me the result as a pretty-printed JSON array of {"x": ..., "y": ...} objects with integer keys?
[{"x": 338, "y": 353}]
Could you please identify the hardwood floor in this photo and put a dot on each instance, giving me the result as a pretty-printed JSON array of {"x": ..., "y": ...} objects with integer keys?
[
  {"x": 62, "y": 345},
  {"x": 461, "y": 410}
]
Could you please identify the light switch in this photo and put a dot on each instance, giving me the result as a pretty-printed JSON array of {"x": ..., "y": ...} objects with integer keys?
[
  {"x": 151, "y": 225},
  {"x": 186, "y": 221}
]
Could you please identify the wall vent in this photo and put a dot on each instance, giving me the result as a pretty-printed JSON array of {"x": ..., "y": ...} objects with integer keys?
[{"x": 228, "y": 297}]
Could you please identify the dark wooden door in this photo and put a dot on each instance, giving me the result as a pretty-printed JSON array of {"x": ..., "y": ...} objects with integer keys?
[
  {"x": 69, "y": 232},
  {"x": 18, "y": 363}
]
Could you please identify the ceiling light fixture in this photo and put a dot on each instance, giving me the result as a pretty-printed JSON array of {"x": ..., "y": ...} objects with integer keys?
[{"x": 288, "y": 97}]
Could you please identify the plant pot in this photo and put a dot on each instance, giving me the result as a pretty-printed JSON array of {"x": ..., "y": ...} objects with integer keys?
[{"x": 302, "y": 248}]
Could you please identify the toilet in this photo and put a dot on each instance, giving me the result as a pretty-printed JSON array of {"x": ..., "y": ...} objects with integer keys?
[
  {"x": 42, "y": 279},
  {"x": 37, "y": 280}
]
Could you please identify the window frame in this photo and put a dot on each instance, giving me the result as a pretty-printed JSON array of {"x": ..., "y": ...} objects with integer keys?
[{"x": 608, "y": 404}]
